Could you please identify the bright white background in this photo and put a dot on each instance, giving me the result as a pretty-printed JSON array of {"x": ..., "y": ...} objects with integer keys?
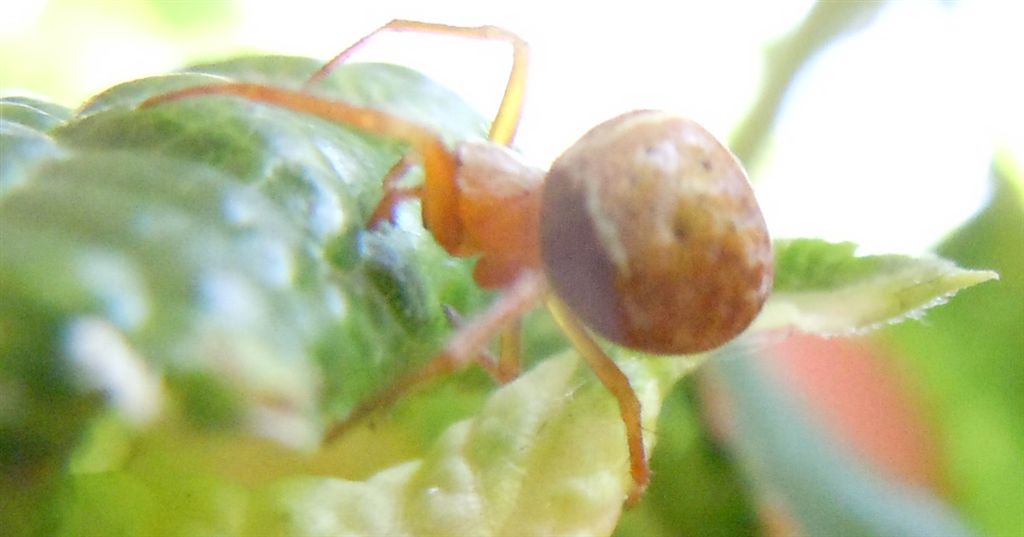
[{"x": 886, "y": 140}]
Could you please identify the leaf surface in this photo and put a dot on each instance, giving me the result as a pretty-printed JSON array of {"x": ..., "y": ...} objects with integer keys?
[{"x": 826, "y": 289}]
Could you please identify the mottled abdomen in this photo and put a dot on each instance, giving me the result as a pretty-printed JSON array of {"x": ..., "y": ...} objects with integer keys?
[{"x": 651, "y": 234}]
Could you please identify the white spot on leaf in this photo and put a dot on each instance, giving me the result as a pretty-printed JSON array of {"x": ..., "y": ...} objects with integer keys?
[{"x": 107, "y": 362}]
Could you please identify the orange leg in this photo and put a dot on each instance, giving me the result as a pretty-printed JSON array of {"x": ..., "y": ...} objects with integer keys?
[
  {"x": 393, "y": 193},
  {"x": 618, "y": 384},
  {"x": 497, "y": 368},
  {"x": 439, "y": 191},
  {"x": 503, "y": 129},
  {"x": 461, "y": 349},
  {"x": 439, "y": 205}
]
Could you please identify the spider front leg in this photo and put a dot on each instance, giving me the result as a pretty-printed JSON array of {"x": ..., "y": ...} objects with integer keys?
[
  {"x": 462, "y": 348},
  {"x": 506, "y": 121},
  {"x": 439, "y": 191},
  {"x": 503, "y": 127}
]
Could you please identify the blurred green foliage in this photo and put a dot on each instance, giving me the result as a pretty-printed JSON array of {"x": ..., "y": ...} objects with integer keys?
[
  {"x": 966, "y": 363},
  {"x": 139, "y": 222}
]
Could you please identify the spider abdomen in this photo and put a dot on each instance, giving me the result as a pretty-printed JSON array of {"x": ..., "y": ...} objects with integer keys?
[{"x": 650, "y": 232}]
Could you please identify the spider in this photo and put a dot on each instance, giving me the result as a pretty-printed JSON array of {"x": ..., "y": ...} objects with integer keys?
[{"x": 645, "y": 232}]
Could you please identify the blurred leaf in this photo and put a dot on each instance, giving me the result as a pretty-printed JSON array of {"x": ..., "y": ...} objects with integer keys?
[
  {"x": 516, "y": 468},
  {"x": 21, "y": 147},
  {"x": 391, "y": 88},
  {"x": 32, "y": 113},
  {"x": 824, "y": 288},
  {"x": 967, "y": 364},
  {"x": 326, "y": 178},
  {"x": 796, "y": 464},
  {"x": 214, "y": 247},
  {"x": 533, "y": 461},
  {"x": 24, "y": 141},
  {"x": 130, "y": 94}
]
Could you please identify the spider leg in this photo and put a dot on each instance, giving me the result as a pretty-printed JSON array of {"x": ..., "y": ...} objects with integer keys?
[
  {"x": 393, "y": 192},
  {"x": 460, "y": 350},
  {"x": 497, "y": 368},
  {"x": 503, "y": 129},
  {"x": 618, "y": 384},
  {"x": 428, "y": 150}
]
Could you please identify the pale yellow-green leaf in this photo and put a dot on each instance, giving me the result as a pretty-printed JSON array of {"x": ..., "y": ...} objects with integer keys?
[
  {"x": 545, "y": 456},
  {"x": 824, "y": 288}
]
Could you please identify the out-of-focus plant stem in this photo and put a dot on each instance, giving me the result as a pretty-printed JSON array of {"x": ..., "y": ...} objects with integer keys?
[{"x": 784, "y": 58}]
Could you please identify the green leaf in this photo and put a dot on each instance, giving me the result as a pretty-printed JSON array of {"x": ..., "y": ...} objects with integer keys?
[
  {"x": 21, "y": 147},
  {"x": 392, "y": 88},
  {"x": 545, "y": 455},
  {"x": 533, "y": 461},
  {"x": 215, "y": 248},
  {"x": 130, "y": 94},
  {"x": 322, "y": 180},
  {"x": 32, "y": 113},
  {"x": 825, "y": 288}
]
